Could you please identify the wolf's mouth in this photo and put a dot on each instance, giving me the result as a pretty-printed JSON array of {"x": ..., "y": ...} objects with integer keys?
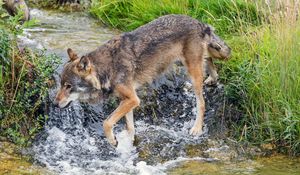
[{"x": 65, "y": 106}]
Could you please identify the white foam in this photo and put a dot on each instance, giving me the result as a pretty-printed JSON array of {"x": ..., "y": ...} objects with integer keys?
[
  {"x": 125, "y": 146},
  {"x": 56, "y": 134}
]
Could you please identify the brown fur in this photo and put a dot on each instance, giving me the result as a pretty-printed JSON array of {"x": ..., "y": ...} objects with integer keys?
[{"x": 128, "y": 61}]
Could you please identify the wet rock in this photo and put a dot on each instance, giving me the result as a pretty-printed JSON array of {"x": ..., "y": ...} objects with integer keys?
[
  {"x": 168, "y": 105},
  {"x": 196, "y": 150},
  {"x": 171, "y": 98},
  {"x": 218, "y": 149},
  {"x": 12, "y": 162}
]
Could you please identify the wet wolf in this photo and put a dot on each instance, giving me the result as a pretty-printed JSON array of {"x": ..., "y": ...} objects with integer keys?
[
  {"x": 134, "y": 58},
  {"x": 12, "y": 7}
]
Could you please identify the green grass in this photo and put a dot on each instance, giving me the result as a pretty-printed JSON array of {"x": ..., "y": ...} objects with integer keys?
[
  {"x": 226, "y": 16},
  {"x": 263, "y": 76},
  {"x": 24, "y": 83}
]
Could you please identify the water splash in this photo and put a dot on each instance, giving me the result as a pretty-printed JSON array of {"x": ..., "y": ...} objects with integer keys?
[{"x": 70, "y": 146}]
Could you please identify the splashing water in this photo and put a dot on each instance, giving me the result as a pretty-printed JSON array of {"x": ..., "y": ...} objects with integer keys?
[{"x": 73, "y": 143}]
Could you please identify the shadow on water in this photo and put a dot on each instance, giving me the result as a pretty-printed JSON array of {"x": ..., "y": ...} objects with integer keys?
[{"x": 73, "y": 140}]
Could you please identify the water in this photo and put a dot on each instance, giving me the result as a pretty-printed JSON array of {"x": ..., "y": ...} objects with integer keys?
[
  {"x": 73, "y": 140},
  {"x": 60, "y": 31},
  {"x": 275, "y": 165}
]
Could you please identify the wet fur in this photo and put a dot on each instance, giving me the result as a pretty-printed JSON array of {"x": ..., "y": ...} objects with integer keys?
[{"x": 132, "y": 59}]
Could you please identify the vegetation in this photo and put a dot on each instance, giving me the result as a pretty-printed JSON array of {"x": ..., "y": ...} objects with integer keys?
[
  {"x": 263, "y": 75},
  {"x": 227, "y": 16},
  {"x": 24, "y": 79},
  {"x": 268, "y": 75}
]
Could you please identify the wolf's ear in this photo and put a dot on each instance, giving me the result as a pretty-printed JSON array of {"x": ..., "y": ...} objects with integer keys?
[
  {"x": 72, "y": 55},
  {"x": 208, "y": 30},
  {"x": 84, "y": 64}
]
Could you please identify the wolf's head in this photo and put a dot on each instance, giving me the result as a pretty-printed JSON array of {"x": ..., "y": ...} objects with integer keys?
[
  {"x": 78, "y": 81},
  {"x": 13, "y": 6},
  {"x": 216, "y": 47}
]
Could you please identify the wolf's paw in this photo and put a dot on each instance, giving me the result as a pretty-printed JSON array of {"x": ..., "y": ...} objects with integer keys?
[
  {"x": 210, "y": 81},
  {"x": 108, "y": 131},
  {"x": 196, "y": 131},
  {"x": 113, "y": 141}
]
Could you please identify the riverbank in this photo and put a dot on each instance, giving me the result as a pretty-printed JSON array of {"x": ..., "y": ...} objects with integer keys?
[
  {"x": 262, "y": 77},
  {"x": 276, "y": 164},
  {"x": 11, "y": 161}
]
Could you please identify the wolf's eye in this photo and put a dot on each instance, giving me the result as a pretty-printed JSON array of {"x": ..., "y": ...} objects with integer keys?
[
  {"x": 68, "y": 86},
  {"x": 215, "y": 46}
]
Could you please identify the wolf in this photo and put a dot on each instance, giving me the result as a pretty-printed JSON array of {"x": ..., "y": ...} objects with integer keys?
[
  {"x": 12, "y": 7},
  {"x": 129, "y": 60}
]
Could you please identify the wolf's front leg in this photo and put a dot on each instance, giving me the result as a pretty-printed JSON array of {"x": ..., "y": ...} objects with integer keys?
[
  {"x": 193, "y": 63},
  {"x": 212, "y": 72},
  {"x": 129, "y": 101}
]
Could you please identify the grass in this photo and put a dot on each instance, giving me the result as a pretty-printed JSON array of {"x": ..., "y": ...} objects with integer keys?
[
  {"x": 265, "y": 80},
  {"x": 24, "y": 83},
  {"x": 273, "y": 93},
  {"x": 263, "y": 76},
  {"x": 227, "y": 16}
]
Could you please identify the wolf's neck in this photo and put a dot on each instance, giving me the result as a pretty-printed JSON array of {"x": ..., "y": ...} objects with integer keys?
[{"x": 104, "y": 61}]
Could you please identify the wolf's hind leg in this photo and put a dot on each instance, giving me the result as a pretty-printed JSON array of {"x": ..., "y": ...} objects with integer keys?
[{"x": 130, "y": 124}]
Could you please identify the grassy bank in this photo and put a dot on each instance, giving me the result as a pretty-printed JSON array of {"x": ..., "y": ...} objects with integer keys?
[
  {"x": 271, "y": 83},
  {"x": 263, "y": 75},
  {"x": 227, "y": 16},
  {"x": 24, "y": 82}
]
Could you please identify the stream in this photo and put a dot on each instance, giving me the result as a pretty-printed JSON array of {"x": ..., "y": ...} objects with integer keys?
[{"x": 73, "y": 141}]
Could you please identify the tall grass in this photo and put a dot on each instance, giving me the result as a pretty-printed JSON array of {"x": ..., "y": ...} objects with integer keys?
[
  {"x": 274, "y": 96},
  {"x": 264, "y": 76},
  {"x": 226, "y": 15}
]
